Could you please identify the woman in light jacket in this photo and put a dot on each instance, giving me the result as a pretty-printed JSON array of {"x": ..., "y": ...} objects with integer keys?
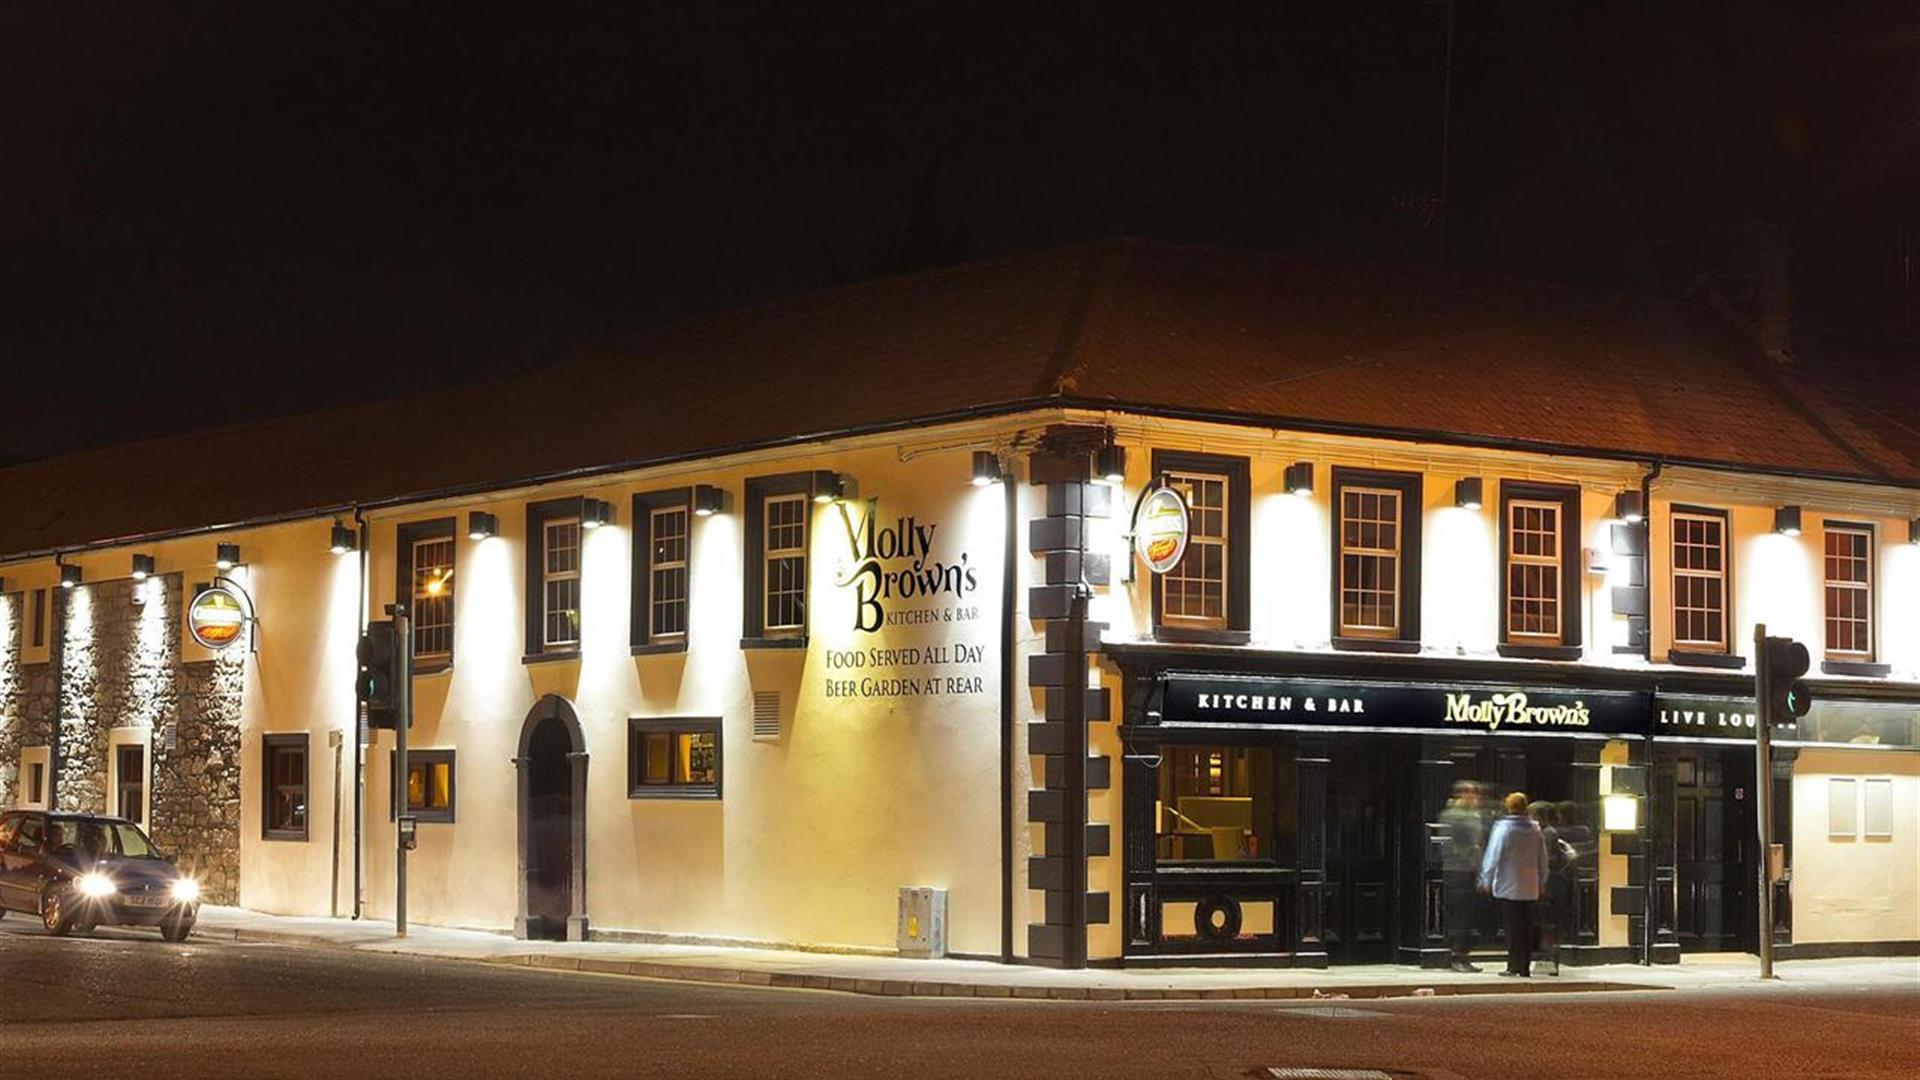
[{"x": 1514, "y": 870}]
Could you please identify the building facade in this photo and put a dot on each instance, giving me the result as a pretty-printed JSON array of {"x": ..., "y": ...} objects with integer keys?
[{"x": 746, "y": 686}]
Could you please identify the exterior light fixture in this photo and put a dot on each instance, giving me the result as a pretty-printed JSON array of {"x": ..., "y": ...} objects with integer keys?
[
  {"x": 481, "y": 525},
  {"x": 1110, "y": 463},
  {"x": 708, "y": 500},
  {"x": 1299, "y": 479},
  {"x": 986, "y": 468},
  {"x": 69, "y": 575},
  {"x": 142, "y": 567},
  {"x": 827, "y": 486},
  {"x": 343, "y": 540},
  {"x": 595, "y": 513},
  {"x": 226, "y": 556},
  {"x": 1786, "y": 520},
  {"x": 1466, "y": 492},
  {"x": 1630, "y": 506}
]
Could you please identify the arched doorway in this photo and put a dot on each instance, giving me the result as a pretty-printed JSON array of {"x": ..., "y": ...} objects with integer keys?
[{"x": 552, "y": 767}]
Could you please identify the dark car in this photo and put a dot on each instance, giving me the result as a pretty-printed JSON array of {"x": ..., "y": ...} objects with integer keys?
[{"x": 79, "y": 871}]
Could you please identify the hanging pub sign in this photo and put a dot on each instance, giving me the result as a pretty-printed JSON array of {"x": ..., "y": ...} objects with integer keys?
[
  {"x": 1160, "y": 529},
  {"x": 216, "y": 618},
  {"x": 1483, "y": 708}
]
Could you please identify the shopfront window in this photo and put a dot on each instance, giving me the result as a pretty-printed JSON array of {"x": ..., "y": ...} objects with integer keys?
[{"x": 1220, "y": 804}]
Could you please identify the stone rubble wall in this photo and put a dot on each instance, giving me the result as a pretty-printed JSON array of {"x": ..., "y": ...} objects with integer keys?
[{"x": 196, "y": 792}]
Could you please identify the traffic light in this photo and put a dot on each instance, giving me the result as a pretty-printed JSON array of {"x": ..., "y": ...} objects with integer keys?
[
  {"x": 379, "y": 672},
  {"x": 1785, "y": 661}
]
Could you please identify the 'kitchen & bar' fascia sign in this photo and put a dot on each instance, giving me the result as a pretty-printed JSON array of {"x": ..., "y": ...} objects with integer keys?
[{"x": 1260, "y": 700}]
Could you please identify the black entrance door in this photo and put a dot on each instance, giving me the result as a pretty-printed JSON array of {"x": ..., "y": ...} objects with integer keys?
[
  {"x": 549, "y": 812},
  {"x": 1360, "y": 877},
  {"x": 1713, "y": 843}
]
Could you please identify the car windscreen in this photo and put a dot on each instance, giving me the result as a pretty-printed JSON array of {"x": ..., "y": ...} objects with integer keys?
[{"x": 96, "y": 839}]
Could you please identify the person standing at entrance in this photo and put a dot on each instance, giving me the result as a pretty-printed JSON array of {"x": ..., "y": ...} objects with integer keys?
[
  {"x": 1513, "y": 871},
  {"x": 1465, "y": 829}
]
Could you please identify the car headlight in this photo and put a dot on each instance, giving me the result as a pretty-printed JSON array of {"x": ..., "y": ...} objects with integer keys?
[
  {"x": 186, "y": 890},
  {"x": 96, "y": 885}
]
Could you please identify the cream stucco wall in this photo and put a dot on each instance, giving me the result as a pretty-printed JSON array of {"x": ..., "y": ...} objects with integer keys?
[{"x": 1855, "y": 888}]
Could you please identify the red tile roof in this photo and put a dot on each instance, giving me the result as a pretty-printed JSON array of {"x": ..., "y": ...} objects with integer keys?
[{"x": 1224, "y": 333}]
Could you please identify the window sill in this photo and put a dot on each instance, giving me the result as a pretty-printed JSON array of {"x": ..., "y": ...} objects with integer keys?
[
  {"x": 426, "y": 817},
  {"x": 1197, "y": 636},
  {"x": 1366, "y": 644},
  {"x": 689, "y": 794},
  {"x": 1539, "y": 652},
  {"x": 284, "y": 837},
  {"x": 659, "y": 648},
  {"x": 774, "y": 642},
  {"x": 554, "y": 657},
  {"x": 432, "y": 667},
  {"x": 1688, "y": 658},
  {"x": 1854, "y": 667}
]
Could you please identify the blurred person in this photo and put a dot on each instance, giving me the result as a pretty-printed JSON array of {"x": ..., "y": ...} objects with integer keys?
[
  {"x": 1558, "y": 886},
  {"x": 1466, "y": 830},
  {"x": 1513, "y": 870}
]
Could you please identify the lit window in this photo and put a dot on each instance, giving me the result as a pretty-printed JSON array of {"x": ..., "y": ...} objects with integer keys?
[
  {"x": 785, "y": 547},
  {"x": 1194, "y": 592},
  {"x": 1369, "y": 562},
  {"x": 673, "y": 758},
  {"x": 667, "y": 573},
  {"x": 283, "y": 814},
  {"x": 1220, "y": 804},
  {"x": 560, "y": 582},
  {"x": 1849, "y": 579},
  {"x": 430, "y": 784},
  {"x": 1533, "y": 571},
  {"x": 432, "y": 610},
  {"x": 1700, "y": 581}
]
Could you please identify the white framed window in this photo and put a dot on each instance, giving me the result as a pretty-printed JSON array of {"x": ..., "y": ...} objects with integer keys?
[
  {"x": 785, "y": 553},
  {"x": 560, "y": 582},
  {"x": 1369, "y": 562},
  {"x": 30, "y": 790},
  {"x": 432, "y": 599},
  {"x": 667, "y": 573},
  {"x": 1700, "y": 580},
  {"x": 1849, "y": 586},
  {"x": 1194, "y": 592},
  {"x": 1533, "y": 571}
]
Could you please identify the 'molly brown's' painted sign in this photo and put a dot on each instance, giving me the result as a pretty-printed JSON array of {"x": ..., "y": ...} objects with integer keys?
[{"x": 893, "y": 561}]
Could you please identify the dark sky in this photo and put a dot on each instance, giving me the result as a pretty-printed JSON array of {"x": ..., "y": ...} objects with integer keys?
[{"x": 210, "y": 214}]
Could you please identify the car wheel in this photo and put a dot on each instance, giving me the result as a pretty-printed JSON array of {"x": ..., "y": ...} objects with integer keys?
[
  {"x": 55, "y": 912},
  {"x": 176, "y": 928}
]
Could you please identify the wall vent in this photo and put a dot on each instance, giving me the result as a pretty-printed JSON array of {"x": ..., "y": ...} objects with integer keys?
[{"x": 766, "y": 714}]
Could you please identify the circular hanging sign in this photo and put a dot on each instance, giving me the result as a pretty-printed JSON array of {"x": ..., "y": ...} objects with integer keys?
[
  {"x": 216, "y": 617},
  {"x": 1160, "y": 529}
]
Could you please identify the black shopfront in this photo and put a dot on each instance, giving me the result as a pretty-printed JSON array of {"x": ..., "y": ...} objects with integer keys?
[{"x": 1282, "y": 808}]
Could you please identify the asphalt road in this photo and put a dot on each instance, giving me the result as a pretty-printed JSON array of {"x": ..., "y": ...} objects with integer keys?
[{"x": 126, "y": 1004}]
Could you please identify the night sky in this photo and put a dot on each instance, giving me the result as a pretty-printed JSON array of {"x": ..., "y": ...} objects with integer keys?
[{"x": 210, "y": 215}]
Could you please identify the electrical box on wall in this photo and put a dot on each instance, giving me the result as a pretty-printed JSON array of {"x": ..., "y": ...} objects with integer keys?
[{"x": 922, "y": 930}]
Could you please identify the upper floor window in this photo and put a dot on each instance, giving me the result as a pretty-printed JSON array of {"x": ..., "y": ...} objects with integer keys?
[
  {"x": 1376, "y": 558},
  {"x": 662, "y": 522},
  {"x": 560, "y": 583},
  {"x": 1700, "y": 580},
  {"x": 424, "y": 579},
  {"x": 1540, "y": 587},
  {"x": 779, "y": 516},
  {"x": 1205, "y": 596},
  {"x": 1849, "y": 588}
]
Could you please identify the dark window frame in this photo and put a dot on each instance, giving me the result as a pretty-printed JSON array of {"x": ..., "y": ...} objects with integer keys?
[
  {"x": 268, "y": 744},
  {"x": 39, "y": 618},
  {"x": 405, "y": 537},
  {"x": 1238, "y": 472},
  {"x": 1694, "y": 655},
  {"x": 1571, "y": 601},
  {"x": 121, "y": 784},
  {"x": 640, "y": 727},
  {"x": 640, "y": 632},
  {"x": 1411, "y": 487},
  {"x": 424, "y": 756},
  {"x": 753, "y": 632},
  {"x": 538, "y": 513}
]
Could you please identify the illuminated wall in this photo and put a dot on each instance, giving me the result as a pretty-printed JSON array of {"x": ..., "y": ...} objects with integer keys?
[{"x": 1850, "y": 881}]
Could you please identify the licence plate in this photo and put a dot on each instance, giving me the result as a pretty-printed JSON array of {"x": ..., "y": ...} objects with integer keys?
[{"x": 146, "y": 901}]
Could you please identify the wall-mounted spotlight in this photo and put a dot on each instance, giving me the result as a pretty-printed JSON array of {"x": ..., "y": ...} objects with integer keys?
[
  {"x": 226, "y": 556},
  {"x": 986, "y": 468},
  {"x": 708, "y": 500},
  {"x": 1786, "y": 520},
  {"x": 1466, "y": 492},
  {"x": 1630, "y": 506},
  {"x": 1110, "y": 463},
  {"x": 142, "y": 567},
  {"x": 343, "y": 540},
  {"x": 1299, "y": 478},
  {"x": 595, "y": 513},
  {"x": 481, "y": 525},
  {"x": 69, "y": 575},
  {"x": 828, "y": 487}
]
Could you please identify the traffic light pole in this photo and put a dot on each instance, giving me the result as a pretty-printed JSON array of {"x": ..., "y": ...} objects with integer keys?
[
  {"x": 1763, "y": 789},
  {"x": 402, "y": 719}
]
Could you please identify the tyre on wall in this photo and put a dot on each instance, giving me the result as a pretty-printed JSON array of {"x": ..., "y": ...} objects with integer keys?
[{"x": 1217, "y": 918}]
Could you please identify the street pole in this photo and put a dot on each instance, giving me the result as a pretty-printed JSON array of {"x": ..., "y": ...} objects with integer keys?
[
  {"x": 1763, "y": 791},
  {"x": 402, "y": 718}
]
